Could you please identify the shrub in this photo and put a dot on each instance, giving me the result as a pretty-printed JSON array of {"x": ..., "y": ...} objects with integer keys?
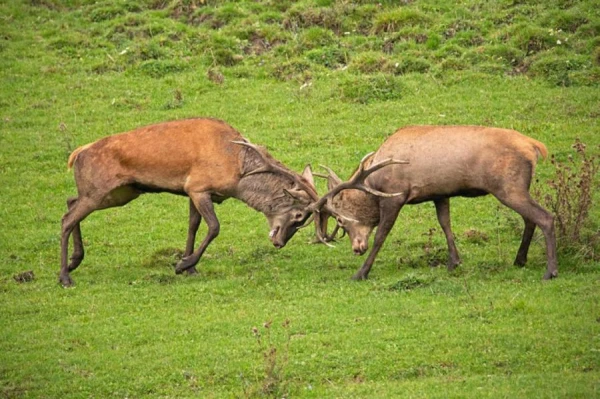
[
  {"x": 366, "y": 89},
  {"x": 571, "y": 195}
]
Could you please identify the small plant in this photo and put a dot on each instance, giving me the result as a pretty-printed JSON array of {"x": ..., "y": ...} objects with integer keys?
[
  {"x": 411, "y": 282},
  {"x": 275, "y": 362},
  {"x": 176, "y": 101},
  {"x": 572, "y": 193}
]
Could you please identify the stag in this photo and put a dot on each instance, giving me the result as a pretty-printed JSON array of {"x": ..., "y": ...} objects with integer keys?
[
  {"x": 442, "y": 162},
  {"x": 204, "y": 159}
]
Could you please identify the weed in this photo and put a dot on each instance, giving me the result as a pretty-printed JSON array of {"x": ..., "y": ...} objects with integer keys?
[
  {"x": 67, "y": 139},
  {"x": 275, "y": 361},
  {"x": 411, "y": 282},
  {"x": 572, "y": 194},
  {"x": 215, "y": 76},
  {"x": 24, "y": 277},
  {"x": 176, "y": 101}
]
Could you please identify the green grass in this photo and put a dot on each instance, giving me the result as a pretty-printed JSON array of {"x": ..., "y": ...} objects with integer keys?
[{"x": 74, "y": 71}]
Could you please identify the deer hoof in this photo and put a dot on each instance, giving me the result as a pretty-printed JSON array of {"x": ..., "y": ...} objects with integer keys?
[
  {"x": 182, "y": 266},
  {"x": 550, "y": 275},
  {"x": 66, "y": 281},
  {"x": 520, "y": 262},
  {"x": 359, "y": 277},
  {"x": 452, "y": 265}
]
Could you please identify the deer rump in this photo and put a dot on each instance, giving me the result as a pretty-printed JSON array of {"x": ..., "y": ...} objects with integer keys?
[{"x": 444, "y": 162}]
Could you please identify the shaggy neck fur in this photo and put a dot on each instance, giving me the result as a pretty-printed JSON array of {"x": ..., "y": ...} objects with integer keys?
[{"x": 264, "y": 192}]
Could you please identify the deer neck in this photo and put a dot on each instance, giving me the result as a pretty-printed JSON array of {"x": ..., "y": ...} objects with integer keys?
[{"x": 264, "y": 192}]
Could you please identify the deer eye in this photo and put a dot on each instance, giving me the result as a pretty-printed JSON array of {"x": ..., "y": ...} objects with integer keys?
[
  {"x": 299, "y": 216},
  {"x": 340, "y": 221}
]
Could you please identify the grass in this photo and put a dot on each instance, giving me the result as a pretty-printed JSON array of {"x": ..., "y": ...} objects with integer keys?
[{"x": 293, "y": 80}]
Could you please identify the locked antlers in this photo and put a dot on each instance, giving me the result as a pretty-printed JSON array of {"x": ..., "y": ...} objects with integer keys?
[{"x": 357, "y": 181}]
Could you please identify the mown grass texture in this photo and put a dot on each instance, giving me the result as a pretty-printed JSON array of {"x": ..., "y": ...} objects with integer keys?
[{"x": 316, "y": 82}]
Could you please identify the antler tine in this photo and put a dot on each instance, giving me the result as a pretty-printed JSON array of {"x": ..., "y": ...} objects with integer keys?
[
  {"x": 271, "y": 167},
  {"x": 308, "y": 222},
  {"x": 331, "y": 172},
  {"x": 357, "y": 181}
]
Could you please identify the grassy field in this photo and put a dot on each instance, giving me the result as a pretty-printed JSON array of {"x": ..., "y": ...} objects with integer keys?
[{"x": 320, "y": 82}]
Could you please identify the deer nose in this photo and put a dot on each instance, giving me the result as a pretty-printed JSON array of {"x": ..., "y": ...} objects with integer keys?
[
  {"x": 276, "y": 239},
  {"x": 359, "y": 247}
]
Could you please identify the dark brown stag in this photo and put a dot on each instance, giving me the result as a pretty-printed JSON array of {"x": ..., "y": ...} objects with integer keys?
[
  {"x": 204, "y": 159},
  {"x": 443, "y": 162}
]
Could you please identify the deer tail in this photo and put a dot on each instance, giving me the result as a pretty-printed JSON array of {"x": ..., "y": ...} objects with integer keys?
[
  {"x": 540, "y": 149},
  {"x": 74, "y": 155}
]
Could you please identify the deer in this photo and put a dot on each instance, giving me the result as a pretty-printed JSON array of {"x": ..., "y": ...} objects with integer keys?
[
  {"x": 435, "y": 163},
  {"x": 204, "y": 159}
]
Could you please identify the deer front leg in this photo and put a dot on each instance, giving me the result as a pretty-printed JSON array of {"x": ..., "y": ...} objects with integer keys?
[
  {"x": 204, "y": 205},
  {"x": 194, "y": 223},
  {"x": 388, "y": 213},
  {"x": 442, "y": 208}
]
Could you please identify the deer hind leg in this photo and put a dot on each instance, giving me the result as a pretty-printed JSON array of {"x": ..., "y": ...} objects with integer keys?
[
  {"x": 78, "y": 252},
  {"x": 388, "y": 213},
  {"x": 442, "y": 209},
  {"x": 204, "y": 205},
  {"x": 535, "y": 215},
  {"x": 521, "y": 258},
  {"x": 78, "y": 209},
  {"x": 194, "y": 223}
]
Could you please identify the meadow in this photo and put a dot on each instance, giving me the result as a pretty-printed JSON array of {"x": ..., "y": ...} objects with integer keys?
[{"x": 319, "y": 82}]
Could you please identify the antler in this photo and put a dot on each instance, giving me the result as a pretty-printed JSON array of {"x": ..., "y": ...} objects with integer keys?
[
  {"x": 270, "y": 166},
  {"x": 358, "y": 181}
]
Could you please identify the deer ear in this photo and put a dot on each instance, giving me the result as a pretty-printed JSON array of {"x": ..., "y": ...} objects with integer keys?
[{"x": 308, "y": 175}]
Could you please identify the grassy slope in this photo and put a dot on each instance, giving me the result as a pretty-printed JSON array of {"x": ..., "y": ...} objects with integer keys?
[{"x": 132, "y": 328}]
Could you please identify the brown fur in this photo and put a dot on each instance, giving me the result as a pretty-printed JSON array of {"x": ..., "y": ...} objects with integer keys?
[
  {"x": 193, "y": 157},
  {"x": 448, "y": 161}
]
